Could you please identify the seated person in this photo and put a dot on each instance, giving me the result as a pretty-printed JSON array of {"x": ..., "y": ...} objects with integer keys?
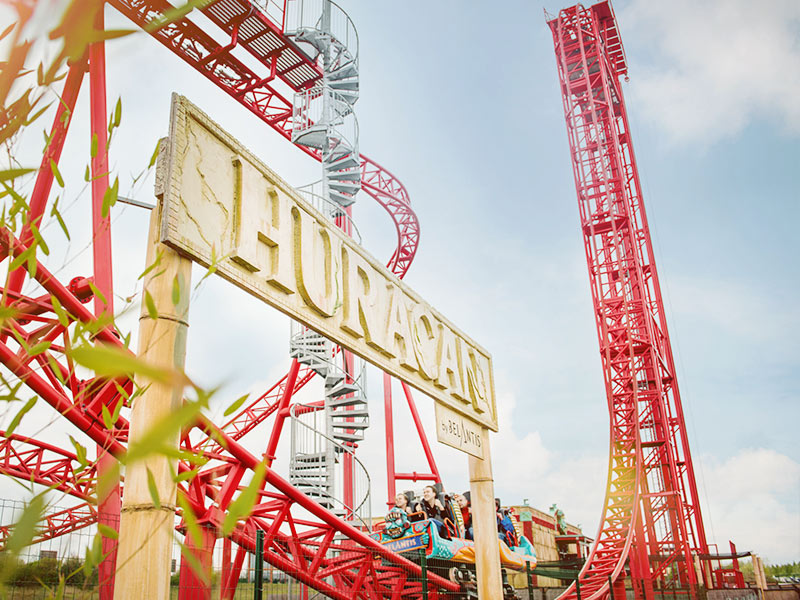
[
  {"x": 434, "y": 510},
  {"x": 464, "y": 504},
  {"x": 401, "y": 502},
  {"x": 505, "y": 528}
]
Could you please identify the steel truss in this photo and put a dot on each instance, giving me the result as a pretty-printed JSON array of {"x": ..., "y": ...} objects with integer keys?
[
  {"x": 303, "y": 538},
  {"x": 652, "y": 513}
]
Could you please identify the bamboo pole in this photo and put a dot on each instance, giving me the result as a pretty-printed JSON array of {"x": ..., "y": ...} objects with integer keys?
[
  {"x": 146, "y": 529},
  {"x": 484, "y": 519}
]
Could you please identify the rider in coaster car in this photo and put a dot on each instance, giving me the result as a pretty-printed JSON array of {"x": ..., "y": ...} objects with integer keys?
[
  {"x": 434, "y": 510},
  {"x": 505, "y": 528},
  {"x": 465, "y": 505},
  {"x": 401, "y": 502}
]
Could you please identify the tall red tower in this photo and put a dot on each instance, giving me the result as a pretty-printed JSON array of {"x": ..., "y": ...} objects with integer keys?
[{"x": 651, "y": 518}]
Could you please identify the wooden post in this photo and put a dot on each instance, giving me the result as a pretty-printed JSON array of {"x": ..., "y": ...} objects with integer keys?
[
  {"x": 484, "y": 522},
  {"x": 146, "y": 531}
]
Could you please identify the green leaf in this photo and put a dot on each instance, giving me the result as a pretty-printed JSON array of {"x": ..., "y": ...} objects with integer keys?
[
  {"x": 96, "y": 291},
  {"x": 37, "y": 349},
  {"x": 154, "y": 157},
  {"x": 161, "y": 436},
  {"x": 111, "y": 361},
  {"x": 194, "y": 563},
  {"x": 80, "y": 451},
  {"x": 39, "y": 239},
  {"x": 190, "y": 520},
  {"x": 94, "y": 554},
  {"x": 21, "y": 413},
  {"x": 156, "y": 262},
  {"x": 25, "y": 527},
  {"x": 176, "y": 291},
  {"x": 151, "y": 486},
  {"x": 186, "y": 475},
  {"x": 150, "y": 305},
  {"x": 93, "y": 150},
  {"x": 60, "y": 312},
  {"x": 107, "y": 421},
  {"x": 119, "y": 405},
  {"x": 55, "y": 213},
  {"x": 118, "y": 112},
  {"x": 32, "y": 118},
  {"x": 56, "y": 173},
  {"x": 107, "y": 532},
  {"x": 173, "y": 14},
  {"x": 235, "y": 405},
  {"x": 110, "y": 197},
  {"x": 242, "y": 506},
  {"x": 14, "y": 173}
]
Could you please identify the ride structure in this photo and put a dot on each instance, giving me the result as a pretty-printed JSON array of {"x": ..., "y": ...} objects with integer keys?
[
  {"x": 315, "y": 522},
  {"x": 651, "y": 518}
]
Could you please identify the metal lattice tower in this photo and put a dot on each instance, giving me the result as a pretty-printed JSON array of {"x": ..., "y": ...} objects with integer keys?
[{"x": 652, "y": 513}]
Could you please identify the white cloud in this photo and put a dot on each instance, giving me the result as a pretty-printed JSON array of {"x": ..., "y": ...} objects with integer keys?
[
  {"x": 718, "y": 65},
  {"x": 753, "y": 498}
]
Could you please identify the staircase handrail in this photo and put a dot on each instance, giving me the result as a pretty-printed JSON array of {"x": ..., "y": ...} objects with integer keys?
[
  {"x": 349, "y": 450},
  {"x": 318, "y": 202},
  {"x": 305, "y": 14}
]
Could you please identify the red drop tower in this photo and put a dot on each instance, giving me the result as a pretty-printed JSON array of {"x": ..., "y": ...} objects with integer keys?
[{"x": 651, "y": 520}]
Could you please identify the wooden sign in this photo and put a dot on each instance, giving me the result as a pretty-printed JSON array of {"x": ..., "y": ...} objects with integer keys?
[{"x": 223, "y": 207}]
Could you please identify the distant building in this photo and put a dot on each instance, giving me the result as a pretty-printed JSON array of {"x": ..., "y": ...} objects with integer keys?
[{"x": 541, "y": 529}]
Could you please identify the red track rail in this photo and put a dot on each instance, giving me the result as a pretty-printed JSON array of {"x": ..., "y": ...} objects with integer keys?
[{"x": 652, "y": 513}]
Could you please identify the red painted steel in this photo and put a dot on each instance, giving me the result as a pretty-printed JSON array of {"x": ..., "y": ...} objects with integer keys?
[
  {"x": 652, "y": 513},
  {"x": 110, "y": 501}
]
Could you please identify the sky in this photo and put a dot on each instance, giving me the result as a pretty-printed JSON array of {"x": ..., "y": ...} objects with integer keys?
[{"x": 461, "y": 102}]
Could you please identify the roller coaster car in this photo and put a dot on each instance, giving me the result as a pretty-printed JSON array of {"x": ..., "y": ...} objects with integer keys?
[{"x": 454, "y": 558}]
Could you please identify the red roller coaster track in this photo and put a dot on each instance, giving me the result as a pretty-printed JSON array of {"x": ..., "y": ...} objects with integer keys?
[
  {"x": 652, "y": 513},
  {"x": 34, "y": 344}
]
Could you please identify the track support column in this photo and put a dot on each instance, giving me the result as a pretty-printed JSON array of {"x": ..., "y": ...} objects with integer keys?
[
  {"x": 484, "y": 520},
  {"x": 146, "y": 530}
]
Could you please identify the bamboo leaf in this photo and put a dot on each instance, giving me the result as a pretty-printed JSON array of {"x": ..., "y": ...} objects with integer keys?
[
  {"x": 151, "y": 486},
  {"x": 176, "y": 291},
  {"x": 150, "y": 305},
  {"x": 107, "y": 532},
  {"x": 161, "y": 436},
  {"x": 7, "y": 30},
  {"x": 93, "y": 150},
  {"x": 156, "y": 262},
  {"x": 154, "y": 157},
  {"x": 37, "y": 349},
  {"x": 235, "y": 405},
  {"x": 96, "y": 291},
  {"x": 7, "y": 174},
  {"x": 25, "y": 528},
  {"x": 118, "y": 112},
  {"x": 80, "y": 451},
  {"x": 242, "y": 506},
  {"x": 39, "y": 239},
  {"x": 111, "y": 361},
  {"x": 194, "y": 563},
  {"x": 107, "y": 421},
  {"x": 21, "y": 413},
  {"x": 55, "y": 213},
  {"x": 110, "y": 197},
  {"x": 60, "y": 312},
  {"x": 56, "y": 173},
  {"x": 190, "y": 520}
]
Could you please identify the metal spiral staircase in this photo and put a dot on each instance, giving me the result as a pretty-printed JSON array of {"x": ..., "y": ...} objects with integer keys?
[
  {"x": 324, "y": 435},
  {"x": 323, "y": 116}
]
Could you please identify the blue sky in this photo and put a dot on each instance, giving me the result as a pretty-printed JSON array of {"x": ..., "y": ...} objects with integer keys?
[{"x": 461, "y": 102}]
